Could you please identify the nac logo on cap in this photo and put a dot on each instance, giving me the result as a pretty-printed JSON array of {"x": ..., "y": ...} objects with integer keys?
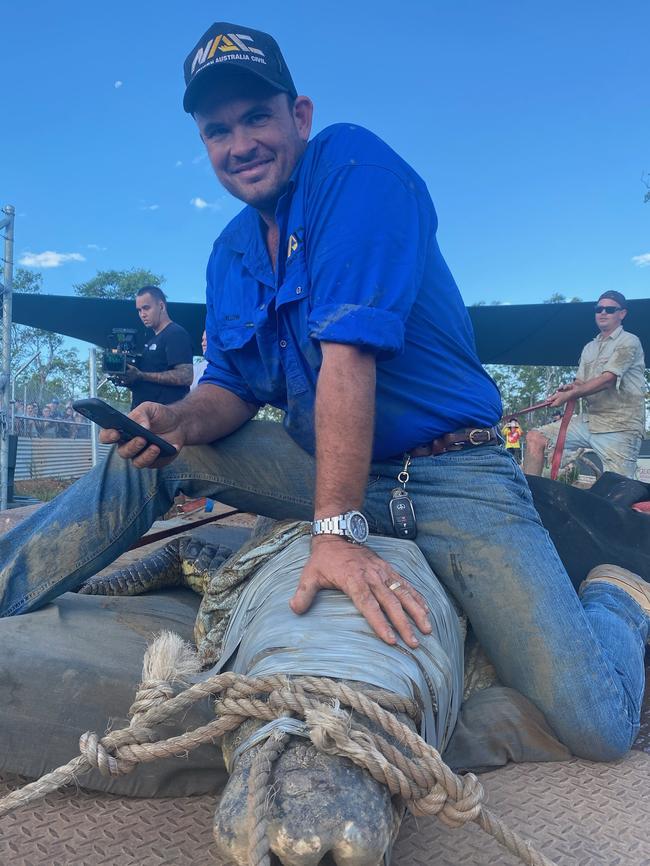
[{"x": 225, "y": 42}]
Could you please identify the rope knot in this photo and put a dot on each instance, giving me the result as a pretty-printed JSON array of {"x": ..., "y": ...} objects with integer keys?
[
  {"x": 94, "y": 751},
  {"x": 454, "y": 811},
  {"x": 329, "y": 728},
  {"x": 149, "y": 695}
]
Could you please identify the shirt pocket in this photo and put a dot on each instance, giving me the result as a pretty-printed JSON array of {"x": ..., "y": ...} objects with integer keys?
[{"x": 230, "y": 337}]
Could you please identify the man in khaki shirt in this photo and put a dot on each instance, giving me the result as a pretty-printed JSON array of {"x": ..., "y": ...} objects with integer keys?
[{"x": 611, "y": 378}]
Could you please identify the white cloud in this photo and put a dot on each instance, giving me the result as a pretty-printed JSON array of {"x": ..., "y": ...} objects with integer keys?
[
  {"x": 150, "y": 207},
  {"x": 201, "y": 204},
  {"x": 179, "y": 162},
  {"x": 642, "y": 261},
  {"x": 49, "y": 259},
  {"x": 117, "y": 84},
  {"x": 96, "y": 247}
]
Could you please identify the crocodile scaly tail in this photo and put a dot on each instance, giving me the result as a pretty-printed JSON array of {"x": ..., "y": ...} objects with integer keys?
[{"x": 161, "y": 568}]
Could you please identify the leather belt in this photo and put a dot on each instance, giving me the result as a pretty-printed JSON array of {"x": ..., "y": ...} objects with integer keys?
[{"x": 468, "y": 437}]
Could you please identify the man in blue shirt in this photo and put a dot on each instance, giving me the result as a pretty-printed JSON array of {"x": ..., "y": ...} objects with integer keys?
[{"x": 328, "y": 297}]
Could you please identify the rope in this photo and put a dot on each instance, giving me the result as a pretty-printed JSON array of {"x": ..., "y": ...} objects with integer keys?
[
  {"x": 427, "y": 785},
  {"x": 259, "y": 851}
]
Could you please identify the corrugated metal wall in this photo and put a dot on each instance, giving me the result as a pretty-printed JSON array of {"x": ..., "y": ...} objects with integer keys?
[{"x": 54, "y": 458}]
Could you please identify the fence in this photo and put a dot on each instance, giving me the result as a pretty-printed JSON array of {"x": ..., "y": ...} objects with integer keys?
[
  {"x": 54, "y": 458},
  {"x": 48, "y": 427}
]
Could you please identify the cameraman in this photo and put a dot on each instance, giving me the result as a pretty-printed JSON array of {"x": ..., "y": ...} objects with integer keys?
[{"x": 164, "y": 372}]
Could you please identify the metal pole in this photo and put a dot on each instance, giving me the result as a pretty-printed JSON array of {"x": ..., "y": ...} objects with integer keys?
[
  {"x": 13, "y": 389},
  {"x": 92, "y": 372},
  {"x": 8, "y": 225}
]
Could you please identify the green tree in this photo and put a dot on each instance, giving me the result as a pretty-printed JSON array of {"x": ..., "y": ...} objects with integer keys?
[
  {"x": 57, "y": 371},
  {"x": 118, "y": 285},
  {"x": 557, "y": 298},
  {"x": 27, "y": 282}
]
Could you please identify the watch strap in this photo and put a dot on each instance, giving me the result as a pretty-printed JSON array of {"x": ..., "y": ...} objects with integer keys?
[
  {"x": 330, "y": 526},
  {"x": 341, "y": 525}
]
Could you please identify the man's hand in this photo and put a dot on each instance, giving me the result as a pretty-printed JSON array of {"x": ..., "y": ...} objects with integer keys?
[
  {"x": 163, "y": 421},
  {"x": 364, "y": 577},
  {"x": 563, "y": 394},
  {"x": 130, "y": 376}
]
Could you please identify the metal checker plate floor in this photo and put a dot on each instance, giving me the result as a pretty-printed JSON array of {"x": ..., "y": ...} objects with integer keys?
[{"x": 578, "y": 813}]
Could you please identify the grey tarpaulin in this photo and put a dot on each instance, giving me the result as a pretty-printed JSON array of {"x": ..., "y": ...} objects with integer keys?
[
  {"x": 74, "y": 666},
  {"x": 265, "y": 637}
]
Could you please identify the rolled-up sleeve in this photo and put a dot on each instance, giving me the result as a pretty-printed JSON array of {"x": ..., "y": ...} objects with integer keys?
[
  {"x": 624, "y": 356},
  {"x": 221, "y": 370},
  {"x": 365, "y": 246}
]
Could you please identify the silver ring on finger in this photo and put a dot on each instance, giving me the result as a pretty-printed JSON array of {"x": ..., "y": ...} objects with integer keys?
[{"x": 394, "y": 586}]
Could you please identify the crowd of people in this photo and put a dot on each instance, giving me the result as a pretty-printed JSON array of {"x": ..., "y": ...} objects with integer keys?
[{"x": 50, "y": 421}]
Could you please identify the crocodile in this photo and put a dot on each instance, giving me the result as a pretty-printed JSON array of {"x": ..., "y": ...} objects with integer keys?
[
  {"x": 323, "y": 808},
  {"x": 212, "y": 570}
]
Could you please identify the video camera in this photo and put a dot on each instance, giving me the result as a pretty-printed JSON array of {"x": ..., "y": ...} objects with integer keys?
[{"x": 121, "y": 350}]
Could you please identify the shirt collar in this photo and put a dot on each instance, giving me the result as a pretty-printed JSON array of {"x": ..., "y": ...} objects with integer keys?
[
  {"x": 237, "y": 235},
  {"x": 245, "y": 225},
  {"x": 615, "y": 333}
]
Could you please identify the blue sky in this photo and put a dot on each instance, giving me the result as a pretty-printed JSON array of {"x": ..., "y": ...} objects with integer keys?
[{"x": 529, "y": 123}]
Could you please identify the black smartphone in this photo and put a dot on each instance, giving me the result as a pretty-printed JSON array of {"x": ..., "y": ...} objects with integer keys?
[{"x": 104, "y": 415}]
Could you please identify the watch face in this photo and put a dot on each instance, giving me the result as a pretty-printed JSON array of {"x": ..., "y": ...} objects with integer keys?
[{"x": 358, "y": 526}]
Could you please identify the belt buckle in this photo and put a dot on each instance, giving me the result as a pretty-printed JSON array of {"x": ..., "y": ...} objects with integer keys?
[{"x": 480, "y": 431}]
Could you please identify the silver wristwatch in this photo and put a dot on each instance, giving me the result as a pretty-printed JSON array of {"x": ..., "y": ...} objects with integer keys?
[{"x": 352, "y": 526}]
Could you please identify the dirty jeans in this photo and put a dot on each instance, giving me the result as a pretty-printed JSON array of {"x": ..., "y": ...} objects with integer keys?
[
  {"x": 580, "y": 662},
  {"x": 618, "y": 451}
]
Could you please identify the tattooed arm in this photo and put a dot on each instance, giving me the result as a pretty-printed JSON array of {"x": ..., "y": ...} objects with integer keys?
[{"x": 181, "y": 375}]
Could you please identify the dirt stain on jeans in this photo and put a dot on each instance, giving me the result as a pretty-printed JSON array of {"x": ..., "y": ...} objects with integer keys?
[{"x": 459, "y": 577}]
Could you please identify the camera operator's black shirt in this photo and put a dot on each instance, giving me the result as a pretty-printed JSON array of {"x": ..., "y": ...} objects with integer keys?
[{"x": 171, "y": 347}]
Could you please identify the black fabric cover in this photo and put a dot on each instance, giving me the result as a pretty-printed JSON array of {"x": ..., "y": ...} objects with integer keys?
[
  {"x": 620, "y": 489},
  {"x": 589, "y": 530},
  {"x": 505, "y": 334}
]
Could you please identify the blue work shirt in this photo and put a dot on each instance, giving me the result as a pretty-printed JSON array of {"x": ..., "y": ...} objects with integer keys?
[{"x": 358, "y": 263}]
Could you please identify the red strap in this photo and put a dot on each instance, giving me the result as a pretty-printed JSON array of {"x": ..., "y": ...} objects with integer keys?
[
  {"x": 561, "y": 437},
  {"x": 541, "y": 405}
]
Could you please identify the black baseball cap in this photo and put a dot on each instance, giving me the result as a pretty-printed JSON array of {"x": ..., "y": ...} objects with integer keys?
[
  {"x": 237, "y": 48},
  {"x": 614, "y": 296}
]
